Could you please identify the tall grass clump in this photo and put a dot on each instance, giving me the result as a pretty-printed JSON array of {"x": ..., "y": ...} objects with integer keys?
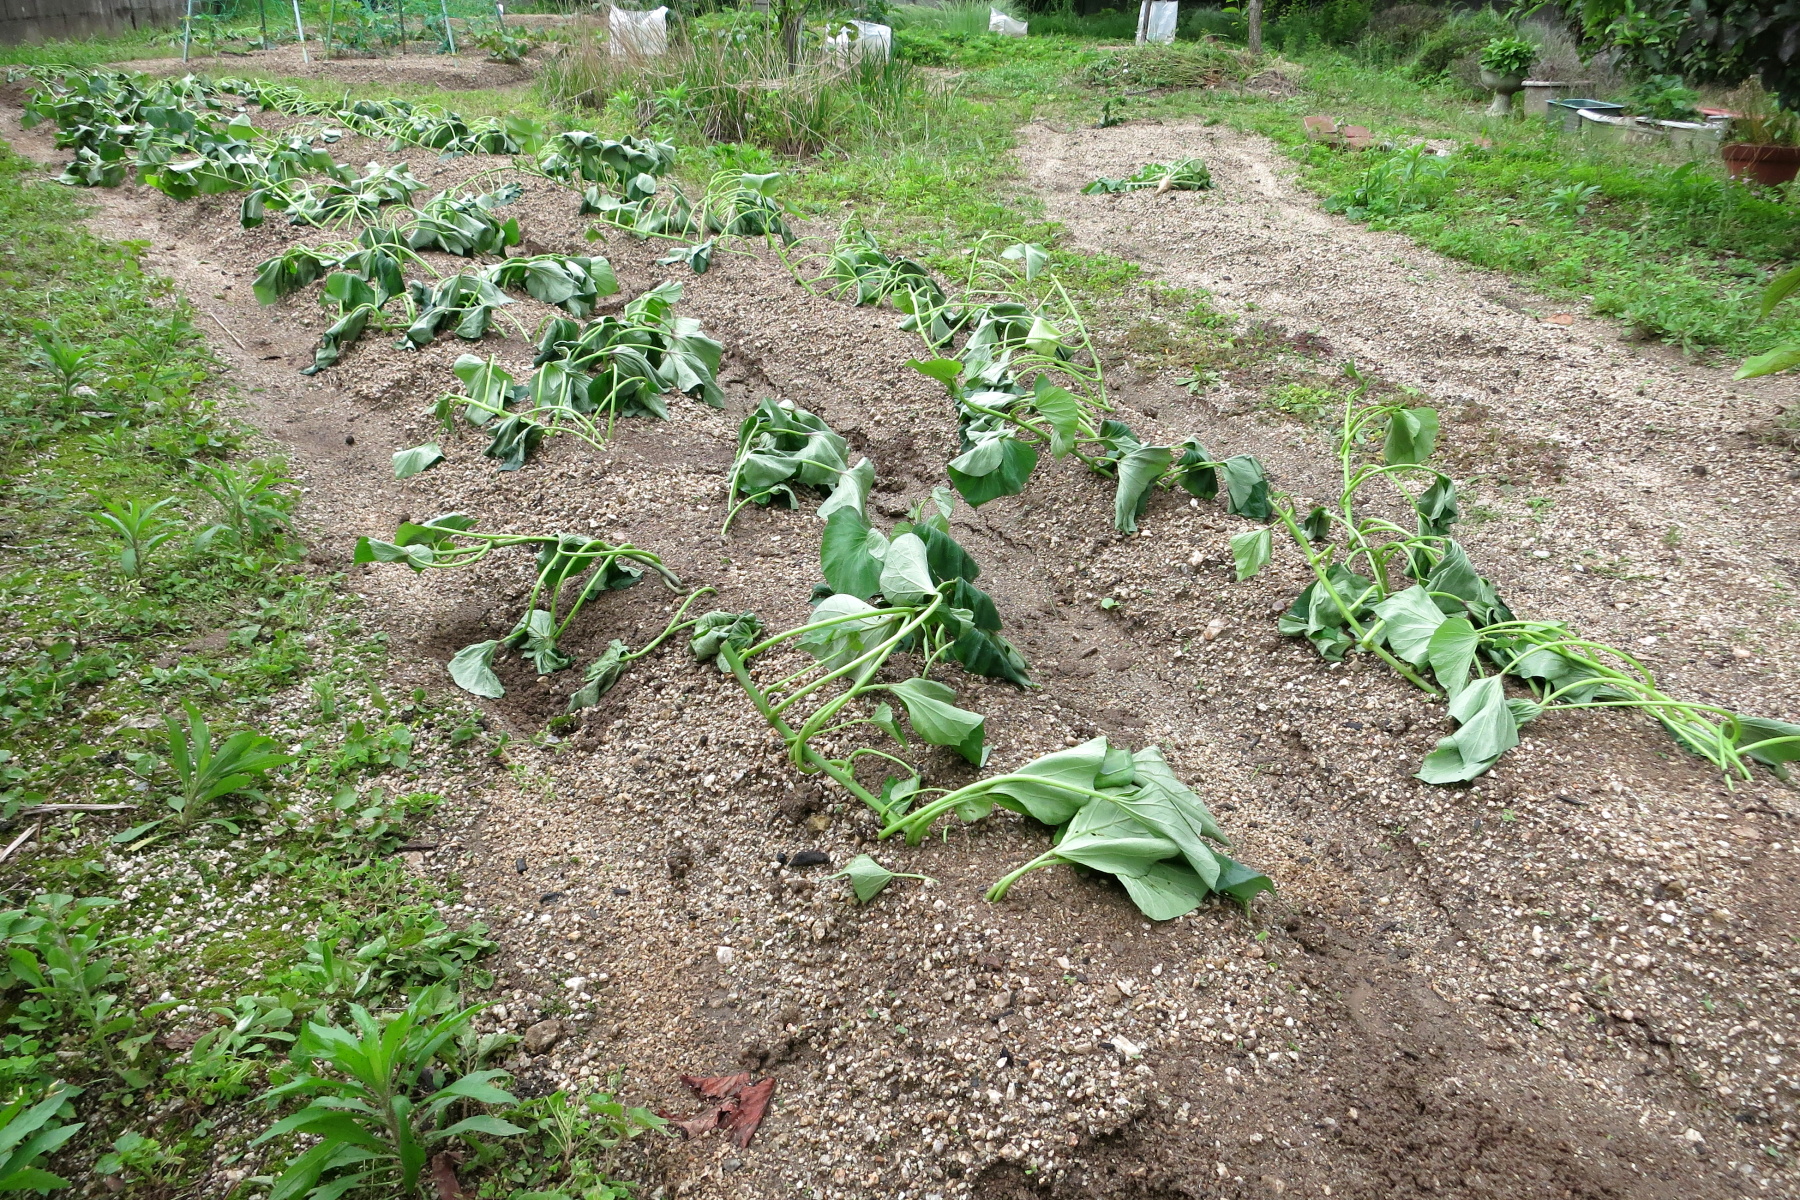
[
  {"x": 966, "y": 17},
  {"x": 732, "y": 81}
]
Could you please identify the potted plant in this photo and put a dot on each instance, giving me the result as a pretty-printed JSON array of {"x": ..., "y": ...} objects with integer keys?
[
  {"x": 1767, "y": 140},
  {"x": 1504, "y": 61}
]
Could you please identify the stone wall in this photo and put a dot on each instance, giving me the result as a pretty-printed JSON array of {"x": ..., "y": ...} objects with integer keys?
[{"x": 40, "y": 20}]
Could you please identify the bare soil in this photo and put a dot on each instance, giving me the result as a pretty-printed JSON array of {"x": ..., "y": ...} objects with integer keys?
[{"x": 1574, "y": 978}]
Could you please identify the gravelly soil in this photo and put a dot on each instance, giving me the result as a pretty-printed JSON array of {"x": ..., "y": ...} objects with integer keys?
[{"x": 1574, "y": 978}]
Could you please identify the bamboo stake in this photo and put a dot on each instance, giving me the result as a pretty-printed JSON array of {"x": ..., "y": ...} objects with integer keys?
[
  {"x": 449, "y": 36},
  {"x": 262, "y": 12},
  {"x": 187, "y": 30},
  {"x": 300, "y": 31},
  {"x": 330, "y": 26},
  {"x": 400, "y": 11}
]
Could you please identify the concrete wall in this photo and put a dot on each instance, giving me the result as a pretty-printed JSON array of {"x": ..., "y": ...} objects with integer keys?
[{"x": 40, "y": 20}]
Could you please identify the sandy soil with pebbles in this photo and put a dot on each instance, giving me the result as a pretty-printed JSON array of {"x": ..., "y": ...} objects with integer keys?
[{"x": 1575, "y": 978}]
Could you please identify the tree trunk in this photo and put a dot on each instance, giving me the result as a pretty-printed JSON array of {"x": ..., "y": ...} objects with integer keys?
[{"x": 1253, "y": 17}]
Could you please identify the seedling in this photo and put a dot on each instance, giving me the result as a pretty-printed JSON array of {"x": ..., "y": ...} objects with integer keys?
[
  {"x": 1414, "y": 599},
  {"x": 571, "y": 570},
  {"x": 928, "y": 606},
  {"x": 139, "y": 529}
]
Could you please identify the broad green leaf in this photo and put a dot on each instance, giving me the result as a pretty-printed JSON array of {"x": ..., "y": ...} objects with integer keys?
[
  {"x": 867, "y": 877},
  {"x": 535, "y": 638},
  {"x": 1166, "y": 890},
  {"x": 1412, "y": 432},
  {"x": 947, "y": 560},
  {"x": 883, "y": 718},
  {"x": 931, "y": 709},
  {"x": 370, "y": 550},
  {"x": 1451, "y": 652},
  {"x": 1770, "y": 742},
  {"x": 997, "y": 465},
  {"x": 1782, "y": 358},
  {"x": 600, "y": 676},
  {"x": 1457, "y": 587},
  {"x": 839, "y": 644},
  {"x": 946, "y": 371},
  {"x": 905, "y": 576},
  {"x": 1166, "y": 806},
  {"x": 1139, "y": 469},
  {"x": 1239, "y": 882},
  {"x": 1251, "y": 551},
  {"x": 1033, "y": 256},
  {"x": 1780, "y": 288},
  {"x": 1317, "y": 526},
  {"x": 1410, "y": 618},
  {"x": 410, "y": 462},
  {"x": 1246, "y": 487},
  {"x": 851, "y": 554},
  {"x": 1196, "y": 471},
  {"x": 716, "y": 630},
  {"x": 1061, "y": 410},
  {"x": 1488, "y": 730},
  {"x": 852, "y": 490},
  {"x": 1107, "y": 838},
  {"x": 1437, "y": 507},
  {"x": 1044, "y": 789},
  {"x": 472, "y": 669}
]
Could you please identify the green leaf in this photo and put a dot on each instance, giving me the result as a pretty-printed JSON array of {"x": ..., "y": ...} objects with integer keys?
[
  {"x": 946, "y": 371},
  {"x": 1782, "y": 738},
  {"x": 851, "y": 554},
  {"x": 839, "y": 644},
  {"x": 997, "y": 465},
  {"x": 1488, "y": 730},
  {"x": 472, "y": 669},
  {"x": 535, "y": 638},
  {"x": 905, "y": 575},
  {"x": 1780, "y": 288},
  {"x": 600, "y": 676},
  {"x": 851, "y": 490},
  {"x": 1412, "y": 432},
  {"x": 1061, "y": 410},
  {"x": 1034, "y": 256},
  {"x": 1451, "y": 652},
  {"x": 1166, "y": 890},
  {"x": 1437, "y": 508},
  {"x": 1251, "y": 551},
  {"x": 1410, "y": 618},
  {"x": 1246, "y": 487},
  {"x": 1317, "y": 526},
  {"x": 1195, "y": 470},
  {"x": 1044, "y": 791},
  {"x": 716, "y": 630},
  {"x": 1107, "y": 838},
  {"x": 1139, "y": 469},
  {"x": 868, "y": 878},
  {"x": 1239, "y": 882},
  {"x": 1168, "y": 807},
  {"x": 410, "y": 462},
  {"x": 1782, "y": 358},
  {"x": 930, "y": 708},
  {"x": 493, "y": 1126}
]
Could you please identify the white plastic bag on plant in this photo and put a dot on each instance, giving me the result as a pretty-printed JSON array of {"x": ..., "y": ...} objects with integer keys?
[
  {"x": 644, "y": 34},
  {"x": 999, "y": 22},
  {"x": 858, "y": 40},
  {"x": 1159, "y": 23}
]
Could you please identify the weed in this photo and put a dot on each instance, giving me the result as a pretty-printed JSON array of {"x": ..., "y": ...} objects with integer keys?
[{"x": 139, "y": 529}]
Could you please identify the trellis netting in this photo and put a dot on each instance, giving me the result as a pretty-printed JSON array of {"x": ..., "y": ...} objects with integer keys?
[
  {"x": 999, "y": 22},
  {"x": 644, "y": 34},
  {"x": 857, "y": 40},
  {"x": 1156, "y": 21}
]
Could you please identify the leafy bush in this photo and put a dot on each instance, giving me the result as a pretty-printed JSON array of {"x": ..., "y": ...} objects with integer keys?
[
  {"x": 1225, "y": 25},
  {"x": 1508, "y": 56},
  {"x": 1459, "y": 38},
  {"x": 379, "y": 1100},
  {"x": 1663, "y": 98},
  {"x": 1326, "y": 23},
  {"x": 1405, "y": 26}
]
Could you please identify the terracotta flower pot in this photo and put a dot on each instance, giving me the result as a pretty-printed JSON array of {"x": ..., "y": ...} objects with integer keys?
[{"x": 1768, "y": 165}]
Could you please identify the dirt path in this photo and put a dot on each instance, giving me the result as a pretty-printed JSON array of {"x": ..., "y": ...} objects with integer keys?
[{"x": 1572, "y": 979}]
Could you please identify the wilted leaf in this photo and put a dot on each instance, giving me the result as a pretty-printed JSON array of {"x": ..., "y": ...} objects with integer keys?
[
  {"x": 472, "y": 669},
  {"x": 419, "y": 458},
  {"x": 1251, "y": 551},
  {"x": 752, "y": 1105}
]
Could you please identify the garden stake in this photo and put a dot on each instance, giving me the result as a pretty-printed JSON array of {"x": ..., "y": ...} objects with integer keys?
[
  {"x": 187, "y": 30},
  {"x": 400, "y": 11},
  {"x": 262, "y": 13},
  {"x": 300, "y": 32},
  {"x": 330, "y": 26},
  {"x": 449, "y": 37}
]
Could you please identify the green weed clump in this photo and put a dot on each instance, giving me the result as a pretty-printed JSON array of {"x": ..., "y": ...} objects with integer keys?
[{"x": 1180, "y": 65}]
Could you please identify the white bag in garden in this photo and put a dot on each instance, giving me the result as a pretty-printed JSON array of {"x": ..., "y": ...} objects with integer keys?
[
  {"x": 999, "y": 22},
  {"x": 644, "y": 34},
  {"x": 1156, "y": 21},
  {"x": 859, "y": 40}
]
